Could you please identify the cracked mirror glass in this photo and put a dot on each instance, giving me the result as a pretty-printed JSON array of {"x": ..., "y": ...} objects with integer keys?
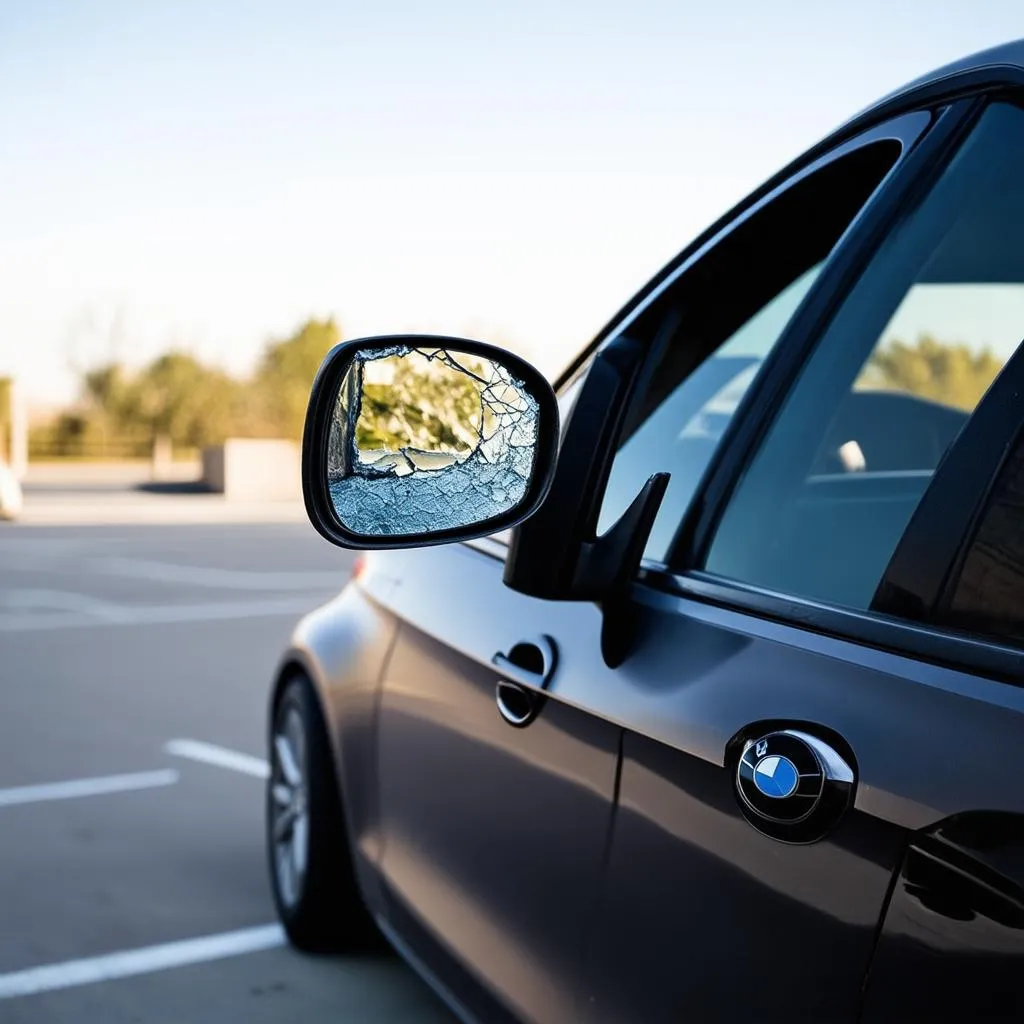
[{"x": 425, "y": 440}]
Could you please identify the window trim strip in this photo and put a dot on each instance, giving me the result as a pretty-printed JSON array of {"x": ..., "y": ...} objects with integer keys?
[{"x": 923, "y": 642}]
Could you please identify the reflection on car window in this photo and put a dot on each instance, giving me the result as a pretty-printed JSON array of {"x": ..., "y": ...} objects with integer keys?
[
  {"x": 683, "y": 432},
  {"x": 734, "y": 303},
  {"x": 988, "y": 595},
  {"x": 908, "y": 357}
]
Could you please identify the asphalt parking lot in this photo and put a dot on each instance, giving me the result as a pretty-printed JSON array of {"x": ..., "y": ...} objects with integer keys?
[{"x": 134, "y": 668}]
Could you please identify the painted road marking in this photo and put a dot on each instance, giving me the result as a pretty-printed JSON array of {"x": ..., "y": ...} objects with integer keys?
[
  {"x": 223, "y": 579},
  {"x": 113, "y": 615},
  {"x": 139, "y": 961},
  {"x": 221, "y": 757},
  {"x": 87, "y": 787},
  {"x": 29, "y": 599}
]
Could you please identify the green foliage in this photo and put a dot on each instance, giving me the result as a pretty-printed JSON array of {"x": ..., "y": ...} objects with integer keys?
[
  {"x": 956, "y": 375},
  {"x": 6, "y": 387},
  {"x": 106, "y": 387},
  {"x": 78, "y": 434},
  {"x": 425, "y": 405},
  {"x": 179, "y": 397},
  {"x": 275, "y": 402},
  {"x": 192, "y": 403}
]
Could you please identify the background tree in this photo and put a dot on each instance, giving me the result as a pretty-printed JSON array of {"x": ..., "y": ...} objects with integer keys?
[
  {"x": 956, "y": 375},
  {"x": 274, "y": 404},
  {"x": 181, "y": 398}
]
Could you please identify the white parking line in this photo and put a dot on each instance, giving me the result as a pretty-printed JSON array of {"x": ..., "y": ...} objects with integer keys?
[
  {"x": 28, "y": 599},
  {"x": 221, "y": 579},
  {"x": 108, "y": 616},
  {"x": 139, "y": 961},
  {"x": 87, "y": 787},
  {"x": 221, "y": 757}
]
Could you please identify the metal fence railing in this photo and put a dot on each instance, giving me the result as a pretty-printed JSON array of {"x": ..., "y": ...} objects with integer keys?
[{"x": 111, "y": 448}]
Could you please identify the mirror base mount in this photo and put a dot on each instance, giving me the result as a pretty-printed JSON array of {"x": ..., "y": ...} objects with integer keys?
[
  {"x": 556, "y": 555},
  {"x": 619, "y": 626},
  {"x": 624, "y": 548},
  {"x": 608, "y": 564}
]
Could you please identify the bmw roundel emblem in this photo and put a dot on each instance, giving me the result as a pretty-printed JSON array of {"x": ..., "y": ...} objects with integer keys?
[
  {"x": 792, "y": 786},
  {"x": 780, "y": 778},
  {"x": 776, "y": 776}
]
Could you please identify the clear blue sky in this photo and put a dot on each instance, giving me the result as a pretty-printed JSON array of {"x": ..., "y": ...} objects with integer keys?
[{"x": 207, "y": 174}]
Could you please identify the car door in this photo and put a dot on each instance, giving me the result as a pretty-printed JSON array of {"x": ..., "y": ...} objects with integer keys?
[
  {"x": 495, "y": 832},
  {"x": 796, "y": 710}
]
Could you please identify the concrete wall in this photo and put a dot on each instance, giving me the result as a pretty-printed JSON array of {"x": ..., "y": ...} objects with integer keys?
[
  {"x": 213, "y": 468},
  {"x": 247, "y": 469},
  {"x": 13, "y": 427}
]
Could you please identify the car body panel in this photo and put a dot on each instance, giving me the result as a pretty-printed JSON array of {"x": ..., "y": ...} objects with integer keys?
[
  {"x": 494, "y": 835},
  {"x": 698, "y": 909},
  {"x": 700, "y": 675},
  {"x": 342, "y": 647},
  {"x": 952, "y": 945},
  {"x": 683, "y": 709},
  {"x": 738, "y": 669}
]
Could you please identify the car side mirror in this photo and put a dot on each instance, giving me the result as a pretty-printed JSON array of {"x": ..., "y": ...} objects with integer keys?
[{"x": 415, "y": 440}]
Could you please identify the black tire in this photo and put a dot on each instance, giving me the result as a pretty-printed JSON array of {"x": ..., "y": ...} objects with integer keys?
[{"x": 319, "y": 903}]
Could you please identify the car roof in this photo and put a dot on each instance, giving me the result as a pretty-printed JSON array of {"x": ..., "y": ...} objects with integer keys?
[{"x": 1007, "y": 57}]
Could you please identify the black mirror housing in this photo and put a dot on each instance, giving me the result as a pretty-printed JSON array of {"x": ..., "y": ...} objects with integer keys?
[{"x": 413, "y": 440}]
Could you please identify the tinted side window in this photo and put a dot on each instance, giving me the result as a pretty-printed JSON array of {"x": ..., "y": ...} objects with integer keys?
[
  {"x": 734, "y": 304},
  {"x": 987, "y": 596},
  {"x": 907, "y": 358}
]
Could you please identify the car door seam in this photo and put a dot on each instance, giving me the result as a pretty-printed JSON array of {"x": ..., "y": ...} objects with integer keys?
[
  {"x": 378, "y": 699},
  {"x": 589, "y": 932},
  {"x": 876, "y": 939}
]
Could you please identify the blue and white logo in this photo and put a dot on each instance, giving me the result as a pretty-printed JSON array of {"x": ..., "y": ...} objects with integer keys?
[{"x": 776, "y": 776}]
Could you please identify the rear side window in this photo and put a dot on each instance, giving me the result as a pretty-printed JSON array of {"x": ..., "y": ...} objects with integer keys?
[
  {"x": 987, "y": 594},
  {"x": 734, "y": 304},
  {"x": 890, "y": 385}
]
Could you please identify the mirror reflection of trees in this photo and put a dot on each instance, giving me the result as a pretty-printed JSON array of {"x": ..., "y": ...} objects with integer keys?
[
  {"x": 426, "y": 439},
  {"x": 432, "y": 402}
]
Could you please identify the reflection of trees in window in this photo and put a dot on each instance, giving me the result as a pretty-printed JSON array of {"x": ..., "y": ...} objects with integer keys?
[{"x": 953, "y": 374}]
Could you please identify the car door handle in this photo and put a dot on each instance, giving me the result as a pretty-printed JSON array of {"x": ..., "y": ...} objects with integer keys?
[{"x": 526, "y": 671}]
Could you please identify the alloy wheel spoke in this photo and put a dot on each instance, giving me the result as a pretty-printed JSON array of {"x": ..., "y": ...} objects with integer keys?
[
  {"x": 285, "y": 873},
  {"x": 286, "y": 759},
  {"x": 300, "y": 843},
  {"x": 284, "y": 824}
]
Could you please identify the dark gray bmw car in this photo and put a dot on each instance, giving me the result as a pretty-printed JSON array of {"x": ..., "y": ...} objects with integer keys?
[{"x": 694, "y": 692}]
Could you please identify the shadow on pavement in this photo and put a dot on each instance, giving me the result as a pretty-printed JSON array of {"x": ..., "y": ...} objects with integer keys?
[{"x": 173, "y": 487}]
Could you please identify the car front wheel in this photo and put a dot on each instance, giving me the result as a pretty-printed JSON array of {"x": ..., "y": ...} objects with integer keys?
[{"x": 311, "y": 871}]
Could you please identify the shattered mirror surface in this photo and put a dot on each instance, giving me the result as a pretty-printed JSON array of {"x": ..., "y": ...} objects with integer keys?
[{"x": 425, "y": 440}]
